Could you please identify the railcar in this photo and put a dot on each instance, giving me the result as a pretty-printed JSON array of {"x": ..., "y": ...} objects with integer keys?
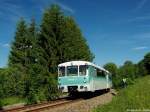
[{"x": 82, "y": 76}]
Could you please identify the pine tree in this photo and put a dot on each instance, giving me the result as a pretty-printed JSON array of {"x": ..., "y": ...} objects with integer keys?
[
  {"x": 32, "y": 52},
  {"x": 18, "y": 48},
  {"x": 24, "y": 42},
  {"x": 49, "y": 36},
  {"x": 23, "y": 56},
  {"x": 29, "y": 89},
  {"x": 61, "y": 39},
  {"x": 74, "y": 44}
]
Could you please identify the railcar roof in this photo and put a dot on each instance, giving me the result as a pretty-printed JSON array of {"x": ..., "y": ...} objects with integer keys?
[{"x": 70, "y": 63}]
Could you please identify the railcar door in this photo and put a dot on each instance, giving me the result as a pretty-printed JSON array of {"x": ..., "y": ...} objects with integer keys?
[
  {"x": 94, "y": 79},
  {"x": 92, "y": 75},
  {"x": 107, "y": 80}
]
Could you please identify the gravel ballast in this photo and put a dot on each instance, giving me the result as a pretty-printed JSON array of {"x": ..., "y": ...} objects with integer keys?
[{"x": 85, "y": 105}]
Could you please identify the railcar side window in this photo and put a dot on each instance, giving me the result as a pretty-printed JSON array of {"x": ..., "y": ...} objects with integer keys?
[
  {"x": 72, "y": 70},
  {"x": 110, "y": 77},
  {"x": 100, "y": 73},
  {"x": 61, "y": 71},
  {"x": 82, "y": 69}
]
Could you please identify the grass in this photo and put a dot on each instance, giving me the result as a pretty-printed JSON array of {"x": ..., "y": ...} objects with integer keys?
[
  {"x": 12, "y": 100},
  {"x": 134, "y": 97}
]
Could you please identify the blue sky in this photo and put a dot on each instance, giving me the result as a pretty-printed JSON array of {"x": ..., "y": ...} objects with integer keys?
[{"x": 116, "y": 30}]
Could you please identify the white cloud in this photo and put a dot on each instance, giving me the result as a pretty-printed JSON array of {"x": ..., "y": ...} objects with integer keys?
[
  {"x": 140, "y": 48},
  {"x": 6, "y": 45},
  {"x": 42, "y": 4},
  {"x": 134, "y": 19},
  {"x": 11, "y": 11},
  {"x": 140, "y": 5},
  {"x": 139, "y": 18},
  {"x": 142, "y": 36},
  {"x": 65, "y": 7}
]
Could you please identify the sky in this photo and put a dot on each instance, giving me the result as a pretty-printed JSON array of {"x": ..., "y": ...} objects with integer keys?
[{"x": 115, "y": 30}]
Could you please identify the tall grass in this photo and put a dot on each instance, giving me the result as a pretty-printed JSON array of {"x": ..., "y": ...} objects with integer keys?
[
  {"x": 135, "y": 97},
  {"x": 12, "y": 100}
]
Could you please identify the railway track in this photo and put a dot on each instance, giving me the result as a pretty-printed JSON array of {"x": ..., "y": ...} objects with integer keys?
[
  {"x": 48, "y": 105},
  {"x": 42, "y": 106}
]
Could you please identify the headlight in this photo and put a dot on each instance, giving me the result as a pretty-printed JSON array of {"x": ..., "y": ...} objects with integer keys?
[
  {"x": 61, "y": 88},
  {"x": 85, "y": 88}
]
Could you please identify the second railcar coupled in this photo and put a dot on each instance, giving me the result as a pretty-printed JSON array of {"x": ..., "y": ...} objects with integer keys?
[{"x": 82, "y": 76}]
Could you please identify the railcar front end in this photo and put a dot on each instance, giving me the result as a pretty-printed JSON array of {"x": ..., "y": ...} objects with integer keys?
[{"x": 73, "y": 78}]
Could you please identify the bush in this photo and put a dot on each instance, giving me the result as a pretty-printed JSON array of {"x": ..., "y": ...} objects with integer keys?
[
  {"x": 31, "y": 98},
  {"x": 133, "y": 97}
]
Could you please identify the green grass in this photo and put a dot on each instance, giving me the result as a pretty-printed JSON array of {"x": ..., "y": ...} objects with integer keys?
[
  {"x": 11, "y": 100},
  {"x": 135, "y": 96}
]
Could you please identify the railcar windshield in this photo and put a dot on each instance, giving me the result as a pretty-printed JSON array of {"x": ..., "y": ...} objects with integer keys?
[
  {"x": 72, "y": 70},
  {"x": 82, "y": 69},
  {"x": 61, "y": 71}
]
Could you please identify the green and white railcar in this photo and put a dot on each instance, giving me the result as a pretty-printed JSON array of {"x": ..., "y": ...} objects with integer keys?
[{"x": 82, "y": 76}]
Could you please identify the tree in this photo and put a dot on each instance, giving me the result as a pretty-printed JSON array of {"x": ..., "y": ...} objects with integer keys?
[
  {"x": 18, "y": 48},
  {"x": 61, "y": 39},
  {"x": 30, "y": 90},
  {"x": 146, "y": 62},
  {"x": 74, "y": 45},
  {"x": 21, "y": 48},
  {"x": 9, "y": 85},
  {"x": 49, "y": 34},
  {"x": 142, "y": 71},
  {"x": 35, "y": 55},
  {"x": 129, "y": 70},
  {"x": 32, "y": 37},
  {"x": 112, "y": 68},
  {"x": 22, "y": 54},
  {"x": 58, "y": 33}
]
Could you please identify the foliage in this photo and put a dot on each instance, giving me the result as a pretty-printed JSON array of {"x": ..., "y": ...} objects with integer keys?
[
  {"x": 18, "y": 48},
  {"x": 35, "y": 54},
  {"x": 129, "y": 70},
  {"x": 8, "y": 79},
  {"x": 142, "y": 71},
  {"x": 61, "y": 40},
  {"x": 12, "y": 100},
  {"x": 133, "y": 97},
  {"x": 74, "y": 44},
  {"x": 112, "y": 68},
  {"x": 146, "y": 62}
]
